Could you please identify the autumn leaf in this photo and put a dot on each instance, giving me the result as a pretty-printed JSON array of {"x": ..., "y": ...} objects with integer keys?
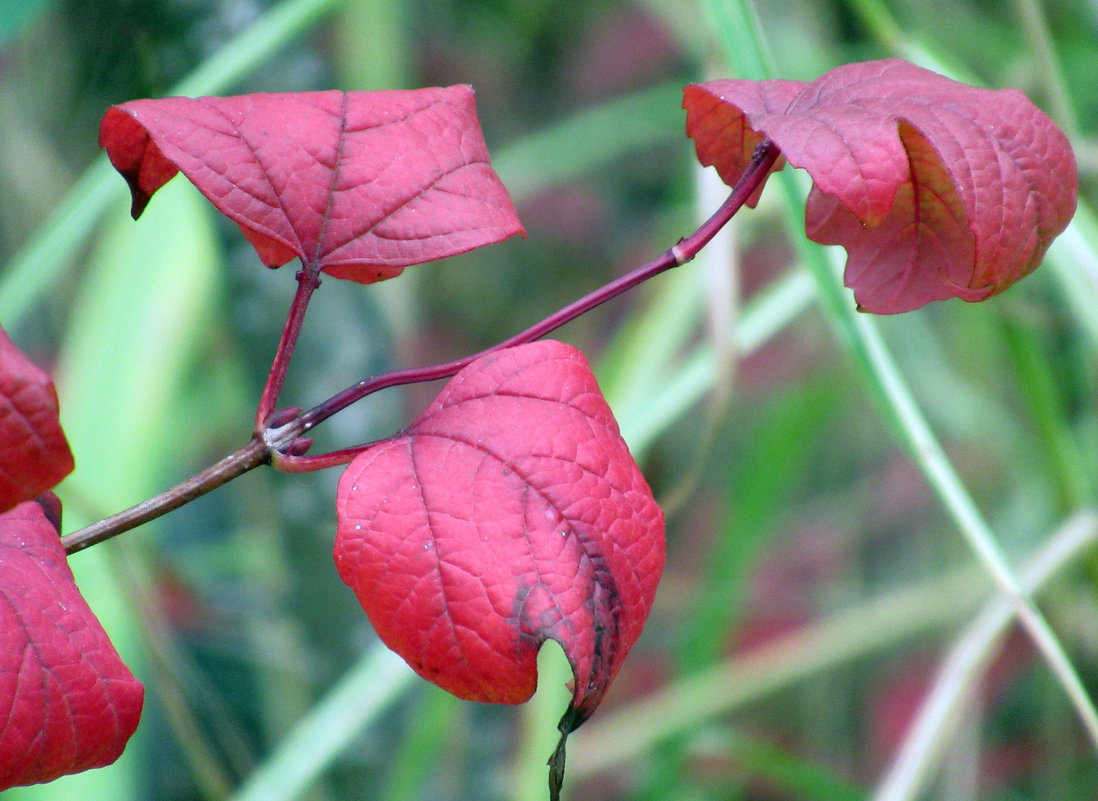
[
  {"x": 936, "y": 189},
  {"x": 34, "y": 454},
  {"x": 509, "y": 513},
  {"x": 67, "y": 702},
  {"x": 357, "y": 184}
]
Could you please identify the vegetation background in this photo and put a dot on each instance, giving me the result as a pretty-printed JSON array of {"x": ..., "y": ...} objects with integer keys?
[{"x": 820, "y": 570}]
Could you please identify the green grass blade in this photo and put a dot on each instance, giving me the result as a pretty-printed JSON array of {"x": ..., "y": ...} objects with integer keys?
[
  {"x": 688, "y": 380},
  {"x": 538, "y": 733},
  {"x": 250, "y": 49},
  {"x": 589, "y": 139},
  {"x": 350, "y": 706},
  {"x": 434, "y": 724},
  {"x": 45, "y": 258},
  {"x": 774, "y": 764}
]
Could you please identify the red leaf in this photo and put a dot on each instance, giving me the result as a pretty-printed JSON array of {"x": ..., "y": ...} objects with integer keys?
[
  {"x": 509, "y": 513},
  {"x": 67, "y": 702},
  {"x": 34, "y": 454},
  {"x": 359, "y": 184},
  {"x": 936, "y": 189}
]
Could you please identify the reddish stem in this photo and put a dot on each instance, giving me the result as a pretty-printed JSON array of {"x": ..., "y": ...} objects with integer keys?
[
  {"x": 276, "y": 443},
  {"x": 236, "y": 464},
  {"x": 289, "y": 463},
  {"x": 766, "y": 154},
  {"x": 308, "y": 280}
]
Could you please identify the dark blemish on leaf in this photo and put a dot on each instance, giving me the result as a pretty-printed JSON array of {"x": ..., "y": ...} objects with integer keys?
[
  {"x": 51, "y": 507},
  {"x": 606, "y": 609},
  {"x": 528, "y": 636}
]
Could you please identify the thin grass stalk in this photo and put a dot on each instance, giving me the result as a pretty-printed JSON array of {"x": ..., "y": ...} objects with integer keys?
[
  {"x": 614, "y": 738},
  {"x": 928, "y": 455},
  {"x": 861, "y": 337},
  {"x": 967, "y": 661},
  {"x": 1034, "y": 25},
  {"x": 619, "y": 736}
]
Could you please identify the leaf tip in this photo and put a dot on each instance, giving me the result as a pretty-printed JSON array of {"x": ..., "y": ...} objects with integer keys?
[
  {"x": 134, "y": 154},
  {"x": 572, "y": 719}
]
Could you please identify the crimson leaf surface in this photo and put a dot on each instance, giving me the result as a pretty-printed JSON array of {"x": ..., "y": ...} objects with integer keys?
[
  {"x": 67, "y": 701},
  {"x": 509, "y": 513},
  {"x": 356, "y": 184},
  {"x": 936, "y": 189}
]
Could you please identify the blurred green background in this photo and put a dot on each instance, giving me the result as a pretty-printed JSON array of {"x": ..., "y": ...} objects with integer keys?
[{"x": 815, "y": 579}]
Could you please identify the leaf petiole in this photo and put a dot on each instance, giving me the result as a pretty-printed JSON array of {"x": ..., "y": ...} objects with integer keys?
[
  {"x": 308, "y": 280},
  {"x": 764, "y": 158},
  {"x": 276, "y": 445}
]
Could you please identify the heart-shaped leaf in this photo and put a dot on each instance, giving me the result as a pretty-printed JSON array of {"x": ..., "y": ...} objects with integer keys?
[
  {"x": 34, "y": 454},
  {"x": 509, "y": 513},
  {"x": 936, "y": 189},
  {"x": 67, "y": 702},
  {"x": 357, "y": 184}
]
